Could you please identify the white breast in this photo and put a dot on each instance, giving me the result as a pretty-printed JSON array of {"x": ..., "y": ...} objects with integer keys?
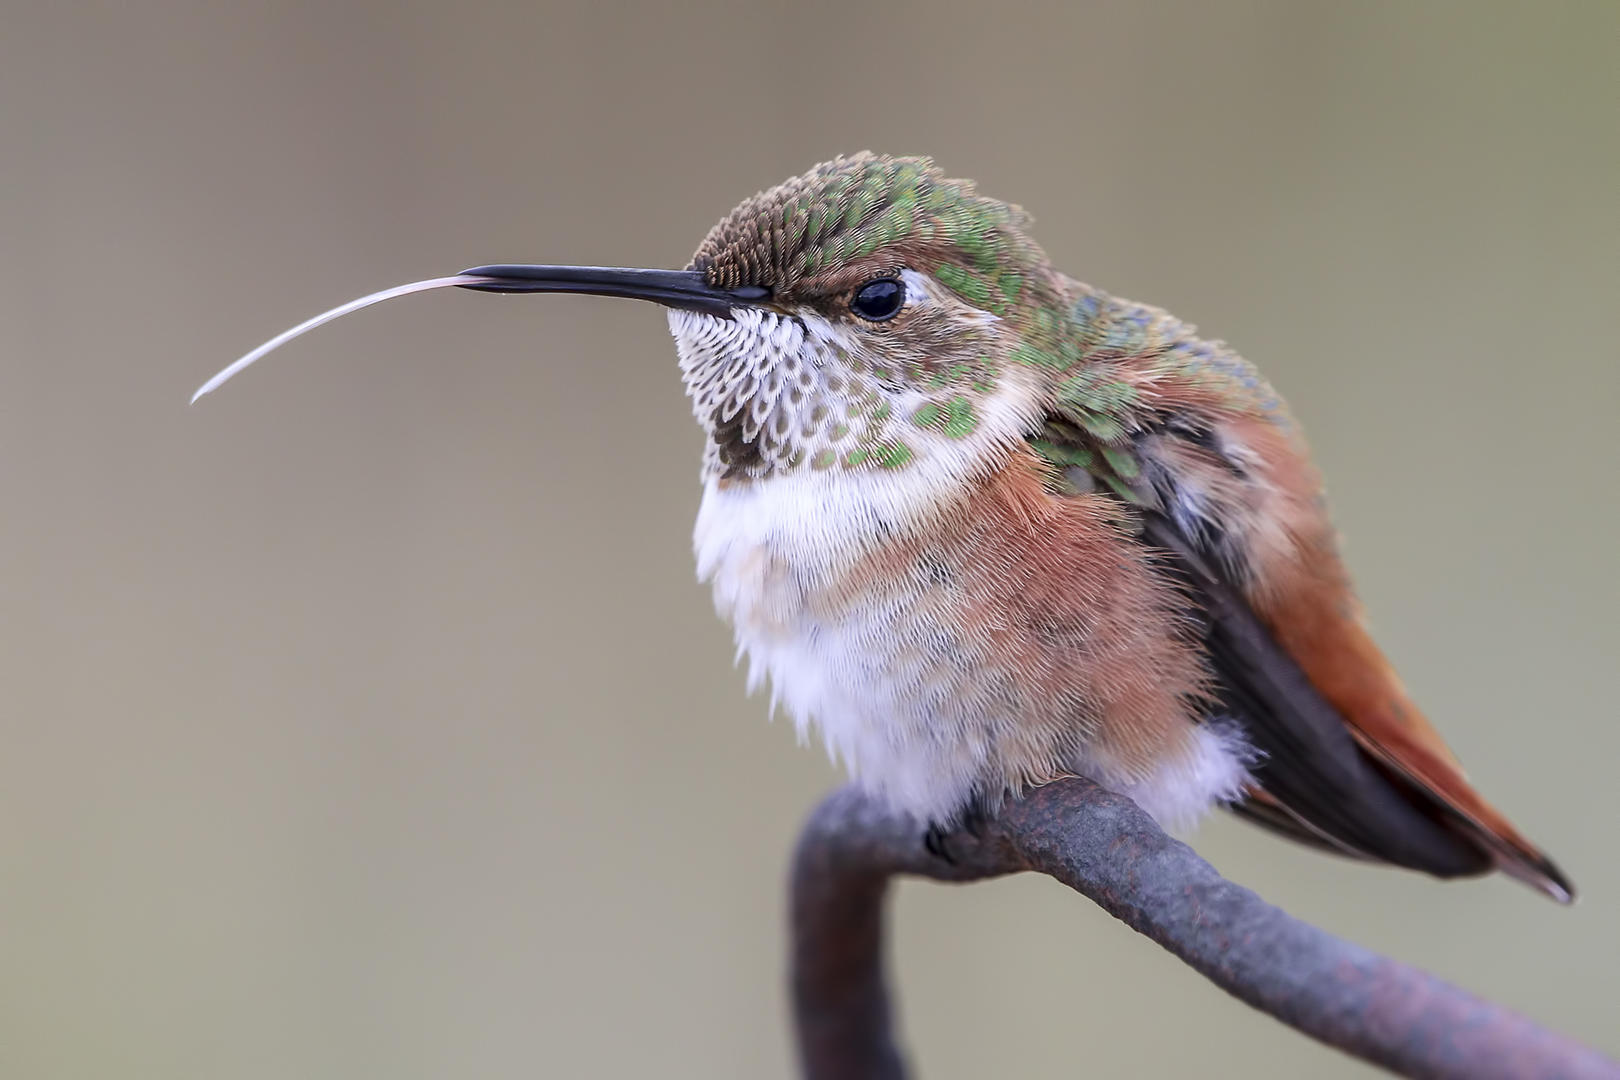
[{"x": 775, "y": 554}]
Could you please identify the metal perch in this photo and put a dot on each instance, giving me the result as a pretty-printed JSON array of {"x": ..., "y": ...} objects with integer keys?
[{"x": 1101, "y": 845}]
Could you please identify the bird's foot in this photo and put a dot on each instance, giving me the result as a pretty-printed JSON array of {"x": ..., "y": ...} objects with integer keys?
[
  {"x": 936, "y": 841},
  {"x": 937, "y": 837}
]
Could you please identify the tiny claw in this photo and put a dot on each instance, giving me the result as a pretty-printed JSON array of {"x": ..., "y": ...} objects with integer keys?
[
  {"x": 936, "y": 842},
  {"x": 974, "y": 819}
]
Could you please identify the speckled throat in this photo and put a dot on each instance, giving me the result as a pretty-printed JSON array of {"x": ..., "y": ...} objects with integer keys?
[
  {"x": 779, "y": 393},
  {"x": 767, "y": 392}
]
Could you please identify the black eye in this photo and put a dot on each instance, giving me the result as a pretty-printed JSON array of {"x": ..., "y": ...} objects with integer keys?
[{"x": 879, "y": 299}]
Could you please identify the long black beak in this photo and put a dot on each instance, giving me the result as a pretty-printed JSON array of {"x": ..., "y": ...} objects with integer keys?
[{"x": 685, "y": 289}]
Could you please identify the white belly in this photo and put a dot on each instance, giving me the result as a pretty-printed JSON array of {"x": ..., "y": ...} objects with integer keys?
[
  {"x": 881, "y": 662},
  {"x": 774, "y": 554}
]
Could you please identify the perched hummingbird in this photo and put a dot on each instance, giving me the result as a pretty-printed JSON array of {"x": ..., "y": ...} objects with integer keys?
[{"x": 985, "y": 526}]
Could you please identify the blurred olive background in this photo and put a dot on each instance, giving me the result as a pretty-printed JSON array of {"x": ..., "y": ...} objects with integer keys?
[{"x": 366, "y": 720}]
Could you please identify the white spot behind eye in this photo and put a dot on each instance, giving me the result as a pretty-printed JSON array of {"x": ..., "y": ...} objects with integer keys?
[
  {"x": 917, "y": 293},
  {"x": 924, "y": 291}
]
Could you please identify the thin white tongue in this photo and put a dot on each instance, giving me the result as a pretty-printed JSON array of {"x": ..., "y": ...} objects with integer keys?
[{"x": 327, "y": 316}]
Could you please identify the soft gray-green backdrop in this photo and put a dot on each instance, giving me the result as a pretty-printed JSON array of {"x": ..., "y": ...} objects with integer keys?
[{"x": 366, "y": 720}]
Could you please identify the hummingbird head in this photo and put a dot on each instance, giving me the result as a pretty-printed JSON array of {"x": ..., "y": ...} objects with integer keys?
[{"x": 903, "y": 317}]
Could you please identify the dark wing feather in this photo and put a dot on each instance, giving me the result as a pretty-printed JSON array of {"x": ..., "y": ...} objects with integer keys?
[
  {"x": 1261, "y": 809},
  {"x": 1318, "y": 784},
  {"x": 1315, "y": 783}
]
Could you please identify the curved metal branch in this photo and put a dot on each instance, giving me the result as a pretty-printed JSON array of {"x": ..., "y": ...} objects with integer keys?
[{"x": 1104, "y": 847}]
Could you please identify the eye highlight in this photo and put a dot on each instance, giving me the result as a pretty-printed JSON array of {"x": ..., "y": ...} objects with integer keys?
[{"x": 878, "y": 299}]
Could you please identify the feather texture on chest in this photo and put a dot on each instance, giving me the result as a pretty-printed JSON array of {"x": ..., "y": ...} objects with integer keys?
[{"x": 1003, "y": 638}]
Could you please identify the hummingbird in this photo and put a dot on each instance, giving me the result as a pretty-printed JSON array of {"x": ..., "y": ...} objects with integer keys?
[{"x": 984, "y": 526}]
